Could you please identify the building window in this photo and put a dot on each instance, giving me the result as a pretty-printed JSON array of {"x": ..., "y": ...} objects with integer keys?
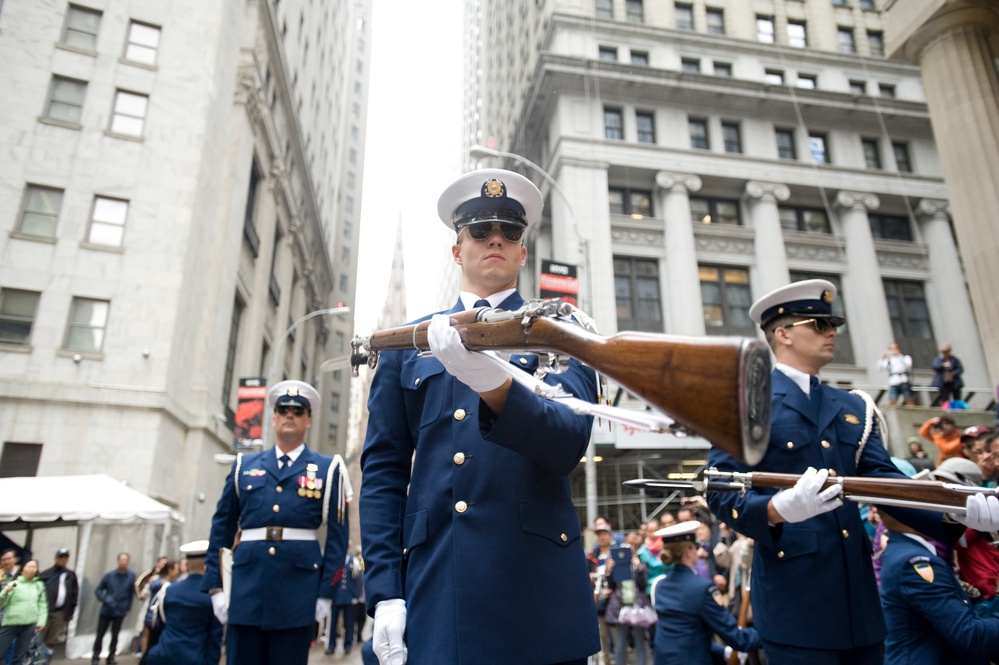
[
  {"x": 690, "y": 65},
  {"x": 698, "y": 133},
  {"x": 645, "y": 123},
  {"x": 818, "y": 147},
  {"x": 773, "y": 76},
  {"x": 87, "y": 320},
  {"x": 797, "y": 35},
  {"x": 20, "y": 459},
  {"x": 726, "y": 298},
  {"x": 785, "y": 144},
  {"x": 807, "y": 81},
  {"x": 732, "y": 136},
  {"x": 839, "y": 3},
  {"x": 684, "y": 16},
  {"x": 344, "y": 283},
  {"x": 637, "y": 203},
  {"x": 65, "y": 101},
  {"x": 714, "y": 211},
  {"x": 230, "y": 353},
  {"x": 40, "y": 213},
  {"x": 634, "y": 12},
  {"x": 843, "y": 353},
  {"x": 82, "y": 26},
  {"x": 765, "y": 29},
  {"x": 636, "y": 292},
  {"x": 872, "y": 154},
  {"x": 867, "y": 4},
  {"x": 716, "y": 21},
  {"x": 902, "y": 161},
  {"x": 613, "y": 123},
  {"x": 17, "y": 315},
  {"x": 640, "y": 58},
  {"x": 605, "y": 9},
  {"x": 143, "y": 43},
  {"x": 107, "y": 223},
  {"x": 129, "y": 113},
  {"x": 876, "y": 42},
  {"x": 334, "y": 402},
  {"x": 890, "y": 227},
  {"x": 723, "y": 69},
  {"x": 608, "y": 53},
  {"x": 846, "y": 41},
  {"x": 804, "y": 220},
  {"x": 338, "y": 341},
  {"x": 887, "y": 90},
  {"x": 858, "y": 87},
  {"x": 249, "y": 225},
  {"x": 910, "y": 320}
]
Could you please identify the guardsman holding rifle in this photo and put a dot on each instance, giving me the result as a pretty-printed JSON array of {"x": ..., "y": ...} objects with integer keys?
[
  {"x": 814, "y": 597},
  {"x": 473, "y": 547}
]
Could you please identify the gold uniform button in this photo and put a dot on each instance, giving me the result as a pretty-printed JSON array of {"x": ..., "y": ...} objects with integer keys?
[
  {"x": 417, "y": 382},
  {"x": 272, "y": 551},
  {"x": 459, "y": 414},
  {"x": 832, "y": 473},
  {"x": 461, "y": 506},
  {"x": 315, "y": 566},
  {"x": 790, "y": 445},
  {"x": 780, "y": 555},
  {"x": 459, "y": 458},
  {"x": 826, "y": 444},
  {"x": 523, "y": 361},
  {"x": 564, "y": 537},
  {"x": 249, "y": 488},
  {"x": 735, "y": 514},
  {"x": 278, "y": 489},
  {"x": 276, "y": 508},
  {"x": 846, "y": 534}
]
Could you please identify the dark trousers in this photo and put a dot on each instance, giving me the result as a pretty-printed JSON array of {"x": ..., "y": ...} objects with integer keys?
[
  {"x": 360, "y": 618},
  {"x": 348, "y": 626},
  {"x": 783, "y": 654},
  {"x": 17, "y": 638},
  {"x": 249, "y": 645},
  {"x": 102, "y": 627}
]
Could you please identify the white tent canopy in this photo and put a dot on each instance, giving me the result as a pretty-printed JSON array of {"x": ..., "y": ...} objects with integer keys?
[{"x": 77, "y": 499}]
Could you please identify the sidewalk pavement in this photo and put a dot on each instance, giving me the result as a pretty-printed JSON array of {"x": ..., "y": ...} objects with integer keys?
[{"x": 316, "y": 657}]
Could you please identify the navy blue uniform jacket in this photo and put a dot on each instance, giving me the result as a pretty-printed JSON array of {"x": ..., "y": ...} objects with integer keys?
[
  {"x": 275, "y": 584},
  {"x": 501, "y": 577},
  {"x": 688, "y": 615},
  {"x": 813, "y": 582},
  {"x": 192, "y": 635},
  {"x": 930, "y": 623}
]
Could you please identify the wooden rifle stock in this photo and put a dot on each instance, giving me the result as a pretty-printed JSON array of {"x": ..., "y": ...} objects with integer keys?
[
  {"x": 905, "y": 492},
  {"x": 716, "y": 387}
]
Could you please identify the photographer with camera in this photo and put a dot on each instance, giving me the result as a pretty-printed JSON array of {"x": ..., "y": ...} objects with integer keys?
[
  {"x": 945, "y": 435},
  {"x": 899, "y": 367}
]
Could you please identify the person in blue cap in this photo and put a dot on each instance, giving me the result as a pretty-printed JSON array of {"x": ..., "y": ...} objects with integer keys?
[
  {"x": 472, "y": 544},
  {"x": 277, "y": 499},
  {"x": 189, "y": 631},
  {"x": 814, "y": 596}
]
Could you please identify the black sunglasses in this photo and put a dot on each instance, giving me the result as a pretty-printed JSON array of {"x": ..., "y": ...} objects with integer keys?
[
  {"x": 482, "y": 230},
  {"x": 822, "y": 326},
  {"x": 283, "y": 409}
]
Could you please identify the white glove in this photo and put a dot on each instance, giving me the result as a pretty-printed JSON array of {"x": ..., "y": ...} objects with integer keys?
[
  {"x": 807, "y": 498},
  {"x": 390, "y": 627},
  {"x": 475, "y": 371},
  {"x": 982, "y": 513},
  {"x": 742, "y": 656},
  {"x": 220, "y": 609},
  {"x": 323, "y": 608}
]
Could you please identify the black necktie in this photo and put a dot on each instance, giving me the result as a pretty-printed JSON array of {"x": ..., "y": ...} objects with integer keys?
[
  {"x": 815, "y": 396},
  {"x": 283, "y": 461},
  {"x": 481, "y": 302}
]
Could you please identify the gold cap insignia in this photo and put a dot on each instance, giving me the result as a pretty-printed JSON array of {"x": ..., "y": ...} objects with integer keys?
[
  {"x": 827, "y": 296},
  {"x": 493, "y": 188},
  {"x": 852, "y": 419},
  {"x": 293, "y": 392}
]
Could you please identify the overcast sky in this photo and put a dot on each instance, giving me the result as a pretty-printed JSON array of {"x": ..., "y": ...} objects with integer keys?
[{"x": 411, "y": 149}]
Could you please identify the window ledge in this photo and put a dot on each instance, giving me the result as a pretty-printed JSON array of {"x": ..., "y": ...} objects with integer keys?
[
  {"x": 76, "y": 49},
  {"x": 124, "y": 137},
  {"x": 45, "y": 120},
  {"x": 87, "y": 355},
  {"x": 27, "y": 236},
  {"x": 141, "y": 65},
  {"x": 10, "y": 347},
  {"x": 102, "y": 248}
]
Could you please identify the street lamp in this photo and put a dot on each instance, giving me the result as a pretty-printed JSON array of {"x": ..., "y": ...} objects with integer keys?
[
  {"x": 590, "y": 465},
  {"x": 333, "y": 311}
]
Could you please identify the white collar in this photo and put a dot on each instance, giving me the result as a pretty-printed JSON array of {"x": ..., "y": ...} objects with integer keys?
[
  {"x": 800, "y": 379},
  {"x": 292, "y": 454},
  {"x": 469, "y": 299},
  {"x": 922, "y": 541}
]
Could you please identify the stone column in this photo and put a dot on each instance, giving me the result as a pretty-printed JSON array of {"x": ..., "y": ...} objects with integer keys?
[
  {"x": 952, "y": 316},
  {"x": 865, "y": 303},
  {"x": 954, "y": 45},
  {"x": 682, "y": 293},
  {"x": 771, "y": 258}
]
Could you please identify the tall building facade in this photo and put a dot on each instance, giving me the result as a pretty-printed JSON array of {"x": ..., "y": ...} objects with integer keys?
[
  {"x": 711, "y": 151},
  {"x": 181, "y": 184}
]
